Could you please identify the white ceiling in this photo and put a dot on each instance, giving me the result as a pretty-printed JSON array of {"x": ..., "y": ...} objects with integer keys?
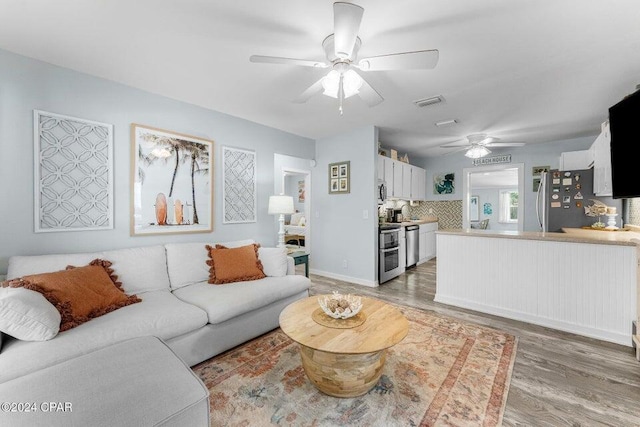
[{"x": 526, "y": 70}]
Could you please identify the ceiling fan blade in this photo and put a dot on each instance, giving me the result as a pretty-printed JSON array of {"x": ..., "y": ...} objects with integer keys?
[
  {"x": 456, "y": 150},
  {"x": 312, "y": 90},
  {"x": 287, "y": 61},
  {"x": 369, "y": 95},
  {"x": 346, "y": 23},
  {"x": 504, "y": 144},
  {"x": 461, "y": 143},
  {"x": 422, "y": 59}
]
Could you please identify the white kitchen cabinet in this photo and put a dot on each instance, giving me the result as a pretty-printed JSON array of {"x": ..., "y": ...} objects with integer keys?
[
  {"x": 601, "y": 150},
  {"x": 427, "y": 239},
  {"x": 575, "y": 160},
  {"x": 418, "y": 177},
  {"x": 407, "y": 171},
  {"x": 397, "y": 180},
  {"x": 404, "y": 181}
]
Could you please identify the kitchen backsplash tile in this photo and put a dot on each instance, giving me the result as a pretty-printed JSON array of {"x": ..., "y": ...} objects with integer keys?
[
  {"x": 449, "y": 212},
  {"x": 633, "y": 211}
]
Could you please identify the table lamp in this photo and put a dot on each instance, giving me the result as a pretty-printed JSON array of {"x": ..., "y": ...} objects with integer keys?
[{"x": 281, "y": 205}]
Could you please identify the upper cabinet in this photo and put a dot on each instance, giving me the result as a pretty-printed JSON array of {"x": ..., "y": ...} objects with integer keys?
[
  {"x": 601, "y": 150},
  {"x": 575, "y": 160},
  {"x": 404, "y": 181}
]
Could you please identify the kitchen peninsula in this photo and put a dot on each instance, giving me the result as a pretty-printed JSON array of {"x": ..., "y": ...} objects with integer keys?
[{"x": 585, "y": 283}]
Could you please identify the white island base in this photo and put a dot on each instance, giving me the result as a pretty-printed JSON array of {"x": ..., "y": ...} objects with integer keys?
[{"x": 584, "y": 286}]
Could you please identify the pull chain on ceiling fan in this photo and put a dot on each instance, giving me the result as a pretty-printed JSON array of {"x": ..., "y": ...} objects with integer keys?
[{"x": 341, "y": 51}]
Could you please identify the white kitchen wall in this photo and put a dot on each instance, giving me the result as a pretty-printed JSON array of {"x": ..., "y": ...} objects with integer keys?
[
  {"x": 27, "y": 84},
  {"x": 492, "y": 196},
  {"x": 542, "y": 154},
  {"x": 344, "y": 243}
]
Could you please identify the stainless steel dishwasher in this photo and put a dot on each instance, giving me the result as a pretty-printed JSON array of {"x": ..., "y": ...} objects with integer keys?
[{"x": 413, "y": 241}]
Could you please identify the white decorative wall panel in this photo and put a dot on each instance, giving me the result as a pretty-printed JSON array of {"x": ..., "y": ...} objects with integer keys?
[
  {"x": 239, "y": 192},
  {"x": 588, "y": 289},
  {"x": 73, "y": 167}
]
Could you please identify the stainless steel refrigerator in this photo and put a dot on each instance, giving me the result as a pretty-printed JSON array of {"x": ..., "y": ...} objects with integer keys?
[{"x": 561, "y": 199}]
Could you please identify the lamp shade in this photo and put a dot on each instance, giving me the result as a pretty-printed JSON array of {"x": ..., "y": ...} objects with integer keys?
[
  {"x": 477, "y": 151},
  {"x": 280, "y": 205}
]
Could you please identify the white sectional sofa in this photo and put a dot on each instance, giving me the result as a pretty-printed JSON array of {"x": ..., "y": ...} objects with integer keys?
[{"x": 195, "y": 319}]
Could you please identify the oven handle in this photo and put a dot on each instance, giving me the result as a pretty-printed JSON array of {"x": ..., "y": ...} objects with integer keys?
[
  {"x": 396, "y": 230},
  {"x": 389, "y": 250}
]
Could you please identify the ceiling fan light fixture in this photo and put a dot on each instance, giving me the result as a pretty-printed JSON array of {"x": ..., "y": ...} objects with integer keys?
[
  {"x": 477, "y": 151},
  {"x": 351, "y": 83}
]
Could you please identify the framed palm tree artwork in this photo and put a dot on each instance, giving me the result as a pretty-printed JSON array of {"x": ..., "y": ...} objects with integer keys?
[{"x": 172, "y": 182}]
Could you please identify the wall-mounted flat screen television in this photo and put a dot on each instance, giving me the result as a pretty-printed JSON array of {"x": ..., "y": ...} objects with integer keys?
[{"x": 624, "y": 123}]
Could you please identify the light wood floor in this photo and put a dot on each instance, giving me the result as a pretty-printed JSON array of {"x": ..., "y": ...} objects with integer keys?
[{"x": 558, "y": 378}]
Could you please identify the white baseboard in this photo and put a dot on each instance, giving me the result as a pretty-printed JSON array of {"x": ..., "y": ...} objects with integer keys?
[
  {"x": 357, "y": 281},
  {"x": 610, "y": 336}
]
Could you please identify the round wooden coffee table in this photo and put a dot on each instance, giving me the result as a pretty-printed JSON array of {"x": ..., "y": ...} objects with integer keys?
[{"x": 344, "y": 362}]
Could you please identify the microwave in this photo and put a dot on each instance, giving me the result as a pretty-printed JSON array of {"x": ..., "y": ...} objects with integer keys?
[{"x": 382, "y": 191}]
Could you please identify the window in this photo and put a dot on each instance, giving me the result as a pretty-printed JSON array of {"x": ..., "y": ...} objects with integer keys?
[{"x": 508, "y": 206}]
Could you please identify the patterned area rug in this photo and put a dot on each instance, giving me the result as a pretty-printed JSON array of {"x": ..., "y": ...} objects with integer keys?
[{"x": 445, "y": 372}]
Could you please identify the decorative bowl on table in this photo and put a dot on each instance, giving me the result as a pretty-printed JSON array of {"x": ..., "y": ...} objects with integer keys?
[{"x": 340, "y": 306}]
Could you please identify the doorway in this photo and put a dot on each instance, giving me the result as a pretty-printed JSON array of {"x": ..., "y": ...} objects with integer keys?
[
  {"x": 297, "y": 184},
  {"x": 493, "y": 197}
]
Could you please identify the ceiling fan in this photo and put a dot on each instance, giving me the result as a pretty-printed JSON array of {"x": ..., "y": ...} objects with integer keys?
[
  {"x": 476, "y": 145},
  {"x": 341, "y": 50}
]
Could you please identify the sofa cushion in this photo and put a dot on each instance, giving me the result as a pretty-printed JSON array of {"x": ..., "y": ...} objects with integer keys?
[
  {"x": 187, "y": 262},
  {"x": 139, "y": 382},
  {"x": 159, "y": 314},
  {"x": 226, "y": 302},
  {"x": 229, "y": 265},
  {"x": 140, "y": 270},
  {"x": 26, "y": 265},
  {"x": 27, "y": 315},
  {"x": 78, "y": 293},
  {"x": 274, "y": 261}
]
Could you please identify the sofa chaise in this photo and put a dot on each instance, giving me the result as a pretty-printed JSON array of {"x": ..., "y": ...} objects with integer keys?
[{"x": 195, "y": 319}]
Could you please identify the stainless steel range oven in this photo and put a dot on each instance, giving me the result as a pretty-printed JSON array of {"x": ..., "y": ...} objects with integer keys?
[{"x": 389, "y": 260}]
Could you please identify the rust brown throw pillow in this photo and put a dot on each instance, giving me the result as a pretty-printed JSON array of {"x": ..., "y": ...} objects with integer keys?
[
  {"x": 228, "y": 265},
  {"x": 79, "y": 293}
]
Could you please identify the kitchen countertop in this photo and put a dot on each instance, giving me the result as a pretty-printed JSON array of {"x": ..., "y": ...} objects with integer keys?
[
  {"x": 572, "y": 235},
  {"x": 415, "y": 222}
]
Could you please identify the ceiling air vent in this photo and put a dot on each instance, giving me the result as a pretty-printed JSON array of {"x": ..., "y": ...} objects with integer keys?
[
  {"x": 429, "y": 101},
  {"x": 446, "y": 122}
]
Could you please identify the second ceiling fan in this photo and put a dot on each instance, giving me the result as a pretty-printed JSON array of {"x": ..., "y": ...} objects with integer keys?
[
  {"x": 341, "y": 50},
  {"x": 476, "y": 145}
]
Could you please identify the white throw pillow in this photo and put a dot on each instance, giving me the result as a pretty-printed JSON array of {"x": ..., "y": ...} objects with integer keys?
[
  {"x": 295, "y": 218},
  {"x": 274, "y": 261},
  {"x": 27, "y": 315},
  {"x": 302, "y": 222}
]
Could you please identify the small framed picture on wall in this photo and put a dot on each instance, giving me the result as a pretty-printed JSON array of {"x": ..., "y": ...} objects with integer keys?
[{"x": 339, "y": 178}]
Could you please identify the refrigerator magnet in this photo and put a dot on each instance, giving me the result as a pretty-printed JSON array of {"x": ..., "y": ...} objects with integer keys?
[
  {"x": 577, "y": 177},
  {"x": 567, "y": 174},
  {"x": 567, "y": 181},
  {"x": 556, "y": 174},
  {"x": 555, "y": 196},
  {"x": 556, "y": 180},
  {"x": 555, "y": 204},
  {"x": 578, "y": 196},
  {"x": 567, "y": 189},
  {"x": 578, "y": 186},
  {"x": 566, "y": 199},
  {"x": 566, "y": 206},
  {"x": 578, "y": 204}
]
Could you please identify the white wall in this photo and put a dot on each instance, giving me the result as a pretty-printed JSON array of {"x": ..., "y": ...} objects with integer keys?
[
  {"x": 492, "y": 195},
  {"x": 340, "y": 232},
  {"x": 26, "y": 84},
  {"x": 543, "y": 154}
]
